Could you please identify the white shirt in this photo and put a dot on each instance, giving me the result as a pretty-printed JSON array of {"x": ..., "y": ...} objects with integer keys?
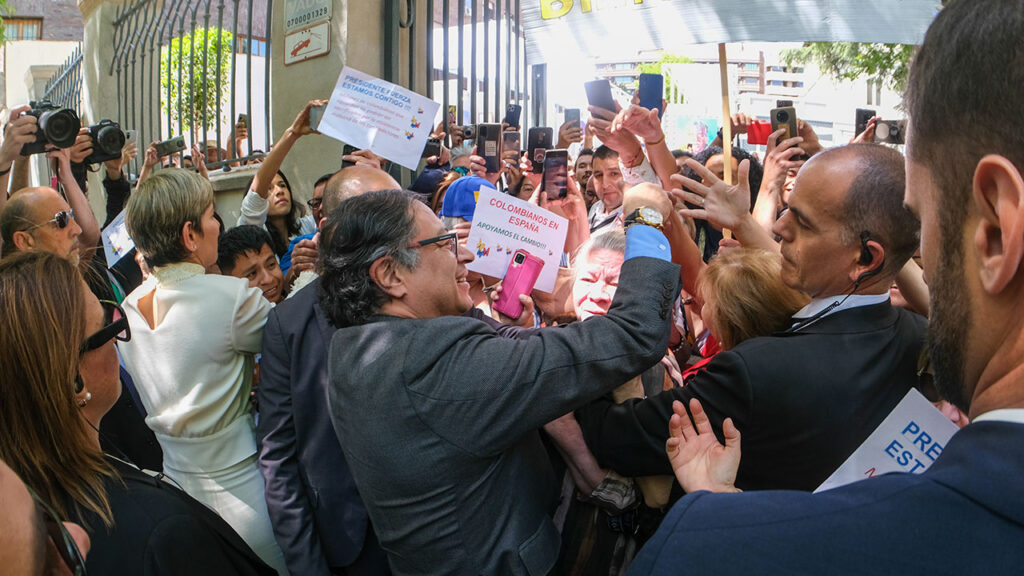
[
  {"x": 841, "y": 302},
  {"x": 1014, "y": 415},
  {"x": 194, "y": 369}
]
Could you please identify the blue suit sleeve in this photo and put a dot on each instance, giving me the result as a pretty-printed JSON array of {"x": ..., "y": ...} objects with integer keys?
[{"x": 290, "y": 507}]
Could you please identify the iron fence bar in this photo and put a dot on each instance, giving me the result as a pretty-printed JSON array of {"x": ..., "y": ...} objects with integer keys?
[
  {"x": 487, "y": 60},
  {"x": 192, "y": 75},
  {"x": 248, "y": 73},
  {"x": 462, "y": 60},
  {"x": 146, "y": 48},
  {"x": 519, "y": 44},
  {"x": 181, "y": 67},
  {"x": 429, "y": 92},
  {"x": 497, "y": 62},
  {"x": 472, "y": 65},
  {"x": 266, "y": 76},
  {"x": 410, "y": 24},
  {"x": 135, "y": 37},
  {"x": 446, "y": 86},
  {"x": 206, "y": 80},
  {"x": 508, "y": 53},
  {"x": 234, "y": 80},
  {"x": 220, "y": 49}
]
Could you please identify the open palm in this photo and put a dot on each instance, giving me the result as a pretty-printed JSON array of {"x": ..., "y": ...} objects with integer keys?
[{"x": 699, "y": 460}]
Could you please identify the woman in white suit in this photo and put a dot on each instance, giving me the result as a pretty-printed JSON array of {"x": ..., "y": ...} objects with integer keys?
[{"x": 191, "y": 355}]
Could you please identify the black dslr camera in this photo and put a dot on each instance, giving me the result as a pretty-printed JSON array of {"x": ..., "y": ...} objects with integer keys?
[
  {"x": 107, "y": 141},
  {"x": 56, "y": 125}
]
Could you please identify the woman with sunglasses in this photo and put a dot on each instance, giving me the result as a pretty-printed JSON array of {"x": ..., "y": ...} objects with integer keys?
[
  {"x": 191, "y": 354},
  {"x": 59, "y": 376}
]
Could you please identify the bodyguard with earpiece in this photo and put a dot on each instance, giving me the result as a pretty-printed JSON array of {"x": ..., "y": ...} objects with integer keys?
[{"x": 806, "y": 398}]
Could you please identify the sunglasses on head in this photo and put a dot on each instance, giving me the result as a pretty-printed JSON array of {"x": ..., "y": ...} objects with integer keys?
[
  {"x": 61, "y": 219},
  {"x": 116, "y": 327},
  {"x": 62, "y": 540}
]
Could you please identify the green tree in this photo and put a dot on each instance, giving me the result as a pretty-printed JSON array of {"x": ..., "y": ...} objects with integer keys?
[
  {"x": 883, "y": 64},
  {"x": 198, "y": 88},
  {"x": 5, "y": 12},
  {"x": 655, "y": 68}
]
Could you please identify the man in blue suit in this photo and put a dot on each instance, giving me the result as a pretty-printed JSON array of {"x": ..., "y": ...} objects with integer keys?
[
  {"x": 965, "y": 514},
  {"x": 319, "y": 519}
]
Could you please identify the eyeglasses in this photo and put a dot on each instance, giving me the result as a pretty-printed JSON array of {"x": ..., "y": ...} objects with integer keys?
[
  {"x": 61, "y": 219},
  {"x": 62, "y": 540},
  {"x": 314, "y": 203},
  {"x": 116, "y": 327},
  {"x": 451, "y": 238}
]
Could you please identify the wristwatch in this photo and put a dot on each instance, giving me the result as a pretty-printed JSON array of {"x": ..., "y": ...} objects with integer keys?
[{"x": 644, "y": 215}]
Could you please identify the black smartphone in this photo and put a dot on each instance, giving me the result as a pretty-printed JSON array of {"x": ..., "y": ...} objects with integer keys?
[
  {"x": 538, "y": 142},
  {"x": 861, "y": 120},
  {"x": 783, "y": 103},
  {"x": 572, "y": 115},
  {"x": 784, "y": 118},
  {"x": 556, "y": 173},
  {"x": 512, "y": 114},
  {"x": 651, "y": 92},
  {"x": 890, "y": 131},
  {"x": 599, "y": 93},
  {"x": 169, "y": 146},
  {"x": 345, "y": 151},
  {"x": 488, "y": 145},
  {"x": 432, "y": 148},
  {"x": 512, "y": 142}
]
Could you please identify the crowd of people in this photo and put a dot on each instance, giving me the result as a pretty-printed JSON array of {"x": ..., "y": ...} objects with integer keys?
[{"x": 337, "y": 393}]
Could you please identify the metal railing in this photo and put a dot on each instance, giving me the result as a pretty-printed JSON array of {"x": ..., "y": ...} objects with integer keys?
[
  {"x": 174, "y": 72},
  {"x": 64, "y": 88}
]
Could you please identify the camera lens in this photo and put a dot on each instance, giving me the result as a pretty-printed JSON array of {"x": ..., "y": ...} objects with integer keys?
[
  {"x": 783, "y": 116},
  {"x": 519, "y": 259},
  {"x": 110, "y": 139},
  {"x": 60, "y": 126}
]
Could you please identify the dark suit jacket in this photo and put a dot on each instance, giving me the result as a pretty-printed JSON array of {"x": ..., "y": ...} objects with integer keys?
[
  {"x": 318, "y": 518},
  {"x": 160, "y": 530},
  {"x": 438, "y": 418},
  {"x": 803, "y": 401},
  {"x": 964, "y": 515}
]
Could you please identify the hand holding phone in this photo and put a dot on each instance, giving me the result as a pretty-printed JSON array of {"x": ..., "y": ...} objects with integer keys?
[
  {"x": 652, "y": 92},
  {"x": 520, "y": 277},
  {"x": 599, "y": 94},
  {"x": 556, "y": 174},
  {"x": 784, "y": 118},
  {"x": 539, "y": 140}
]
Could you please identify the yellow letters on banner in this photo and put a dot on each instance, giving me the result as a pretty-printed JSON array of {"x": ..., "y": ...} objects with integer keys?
[
  {"x": 551, "y": 9},
  {"x": 548, "y": 11}
]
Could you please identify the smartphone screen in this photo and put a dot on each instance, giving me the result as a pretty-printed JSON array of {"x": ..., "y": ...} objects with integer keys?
[
  {"x": 572, "y": 115},
  {"x": 539, "y": 141},
  {"x": 316, "y": 113},
  {"x": 599, "y": 93},
  {"x": 556, "y": 173},
  {"x": 652, "y": 90},
  {"x": 511, "y": 142}
]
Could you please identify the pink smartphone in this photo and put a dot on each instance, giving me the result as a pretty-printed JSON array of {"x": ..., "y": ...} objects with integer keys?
[{"x": 522, "y": 274}]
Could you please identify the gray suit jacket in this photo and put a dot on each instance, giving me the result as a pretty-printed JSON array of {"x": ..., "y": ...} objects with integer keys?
[{"x": 438, "y": 419}]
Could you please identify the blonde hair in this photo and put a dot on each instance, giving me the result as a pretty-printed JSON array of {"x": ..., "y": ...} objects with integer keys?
[
  {"x": 745, "y": 297},
  {"x": 43, "y": 435},
  {"x": 158, "y": 210}
]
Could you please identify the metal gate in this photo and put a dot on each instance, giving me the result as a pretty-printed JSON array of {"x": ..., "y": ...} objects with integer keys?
[
  {"x": 481, "y": 75},
  {"x": 151, "y": 36}
]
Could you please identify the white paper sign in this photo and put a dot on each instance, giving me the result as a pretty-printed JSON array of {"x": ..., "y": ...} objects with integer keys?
[
  {"x": 367, "y": 112},
  {"x": 503, "y": 224},
  {"x": 908, "y": 440},
  {"x": 116, "y": 241}
]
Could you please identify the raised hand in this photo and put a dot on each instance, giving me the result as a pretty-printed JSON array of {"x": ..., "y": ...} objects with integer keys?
[
  {"x": 698, "y": 460},
  {"x": 19, "y": 131},
  {"x": 722, "y": 205},
  {"x": 779, "y": 159},
  {"x": 641, "y": 122},
  {"x": 568, "y": 133}
]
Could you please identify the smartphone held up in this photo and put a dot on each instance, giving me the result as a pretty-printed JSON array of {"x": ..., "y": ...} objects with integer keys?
[{"x": 521, "y": 276}]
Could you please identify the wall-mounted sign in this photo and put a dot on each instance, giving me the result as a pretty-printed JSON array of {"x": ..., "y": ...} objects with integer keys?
[
  {"x": 302, "y": 13},
  {"x": 307, "y": 43}
]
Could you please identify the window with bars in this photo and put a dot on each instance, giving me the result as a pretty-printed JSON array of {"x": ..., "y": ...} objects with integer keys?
[{"x": 23, "y": 28}]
